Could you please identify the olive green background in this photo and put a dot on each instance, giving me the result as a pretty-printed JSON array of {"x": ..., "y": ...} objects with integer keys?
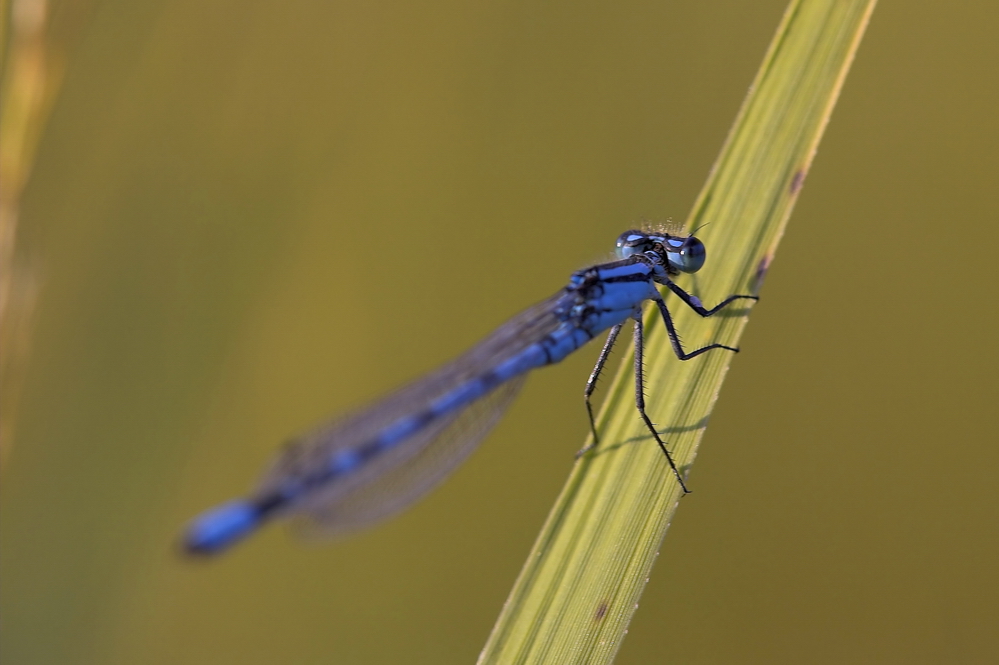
[{"x": 250, "y": 216}]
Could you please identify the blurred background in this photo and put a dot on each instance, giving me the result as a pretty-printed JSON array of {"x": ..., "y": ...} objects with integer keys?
[{"x": 244, "y": 217}]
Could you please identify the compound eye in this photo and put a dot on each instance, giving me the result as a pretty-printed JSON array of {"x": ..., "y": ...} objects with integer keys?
[
  {"x": 689, "y": 256},
  {"x": 633, "y": 242}
]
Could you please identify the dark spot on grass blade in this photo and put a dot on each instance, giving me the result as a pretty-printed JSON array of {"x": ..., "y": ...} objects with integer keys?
[
  {"x": 797, "y": 181},
  {"x": 761, "y": 272}
]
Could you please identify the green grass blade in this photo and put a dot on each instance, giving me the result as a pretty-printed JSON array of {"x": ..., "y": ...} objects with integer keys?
[{"x": 580, "y": 586}]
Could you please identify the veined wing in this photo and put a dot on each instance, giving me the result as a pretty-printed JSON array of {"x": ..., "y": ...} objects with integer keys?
[{"x": 397, "y": 476}]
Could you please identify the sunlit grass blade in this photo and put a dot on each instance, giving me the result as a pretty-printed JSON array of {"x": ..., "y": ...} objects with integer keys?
[{"x": 580, "y": 586}]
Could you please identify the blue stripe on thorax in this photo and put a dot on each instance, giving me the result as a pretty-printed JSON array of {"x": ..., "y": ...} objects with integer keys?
[{"x": 617, "y": 293}]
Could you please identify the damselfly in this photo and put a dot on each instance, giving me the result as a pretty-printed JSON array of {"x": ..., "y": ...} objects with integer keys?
[{"x": 372, "y": 463}]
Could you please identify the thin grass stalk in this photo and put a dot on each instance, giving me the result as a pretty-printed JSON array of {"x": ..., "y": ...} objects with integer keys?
[{"x": 581, "y": 584}]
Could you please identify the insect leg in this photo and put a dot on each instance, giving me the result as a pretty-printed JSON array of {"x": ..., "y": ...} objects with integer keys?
[
  {"x": 674, "y": 339},
  {"x": 640, "y": 401},
  {"x": 695, "y": 303},
  {"x": 591, "y": 385}
]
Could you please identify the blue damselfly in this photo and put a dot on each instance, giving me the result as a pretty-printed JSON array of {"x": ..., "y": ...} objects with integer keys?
[{"x": 374, "y": 462}]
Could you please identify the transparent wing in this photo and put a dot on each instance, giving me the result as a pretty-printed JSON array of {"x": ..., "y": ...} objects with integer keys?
[
  {"x": 398, "y": 482},
  {"x": 392, "y": 480}
]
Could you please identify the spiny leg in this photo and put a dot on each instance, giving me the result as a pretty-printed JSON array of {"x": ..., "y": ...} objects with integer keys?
[
  {"x": 640, "y": 401},
  {"x": 674, "y": 339},
  {"x": 695, "y": 304},
  {"x": 591, "y": 385}
]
